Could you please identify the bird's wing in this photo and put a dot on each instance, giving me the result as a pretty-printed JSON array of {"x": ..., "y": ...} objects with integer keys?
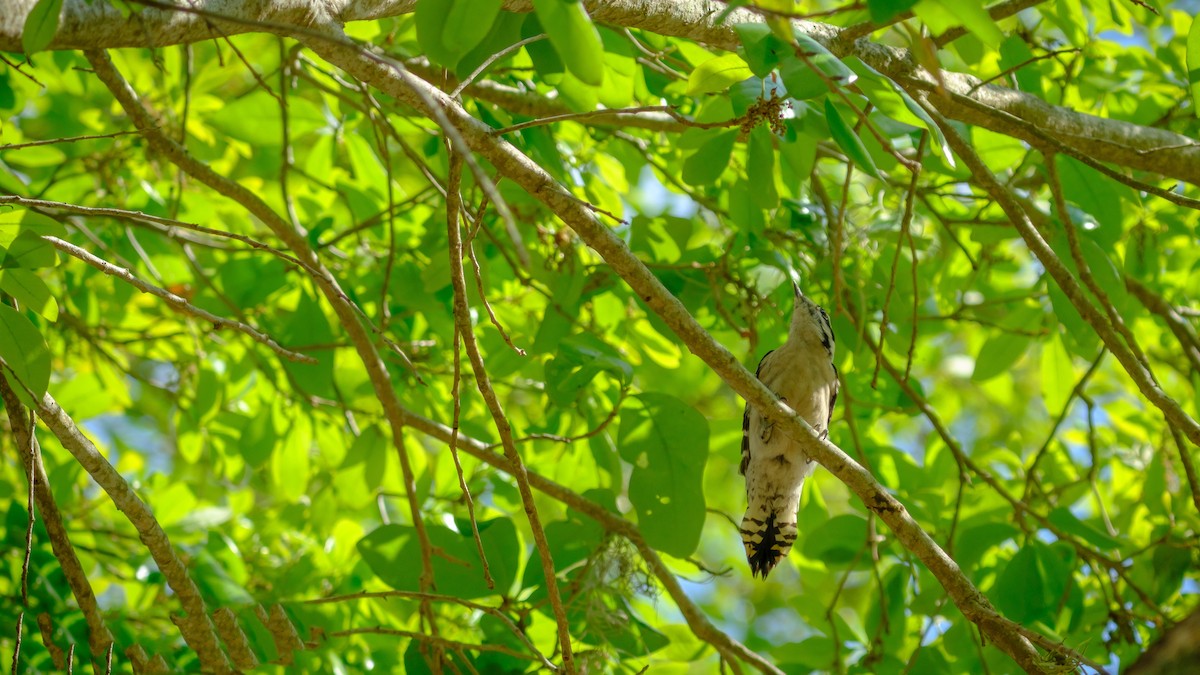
[
  {"x": 746, "y": 421},
  {"x": 833, "y": 392}
]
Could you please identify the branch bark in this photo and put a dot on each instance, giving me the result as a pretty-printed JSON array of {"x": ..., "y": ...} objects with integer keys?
[
  {"x": 100, "y": 639},
  {"x": 96, "y": 25},
  {"x": 196, "y": 627}
]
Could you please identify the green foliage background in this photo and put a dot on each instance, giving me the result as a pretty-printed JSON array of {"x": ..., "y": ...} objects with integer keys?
[{"x": 992, "y": 411}]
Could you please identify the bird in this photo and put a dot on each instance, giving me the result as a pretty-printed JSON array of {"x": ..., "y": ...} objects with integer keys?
[{"x": 802, "y": 374}]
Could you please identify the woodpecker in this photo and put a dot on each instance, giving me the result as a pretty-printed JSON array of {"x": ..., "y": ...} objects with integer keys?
[{"x": 802, "y": 375}]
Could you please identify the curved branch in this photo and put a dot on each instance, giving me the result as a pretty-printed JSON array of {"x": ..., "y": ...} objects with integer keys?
[
  {"x": 296, "y": 242},
  {"x": 96, "y": 25},
  {"x": 100, "y": 639},
  {"x": 515, "y": 166},
  {"x": 1012, "y": 208},
  {"x": 196, "y": 627},
  {"x": 701, "y": 627}
]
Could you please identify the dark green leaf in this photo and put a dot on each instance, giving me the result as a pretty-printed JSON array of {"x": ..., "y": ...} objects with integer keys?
[
  {"x": 431, "y": 17},
  {"x": 836, "y": 541},
  {"x": 762, "y": 49},
  {"x": 849, "y": 141},
  {"x": 666, "y": 441},
  {"x": 799, "y": 76},
  {"x": 707, "y": 164},
  {"x": 467, "y": 23},
  {"x": 883, "y": 11},
  {"x": 760, "y": 168},
  {"x": 1096, "y": 194}
]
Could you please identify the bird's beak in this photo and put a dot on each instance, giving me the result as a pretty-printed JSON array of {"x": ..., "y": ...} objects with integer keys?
[{"x": 796, "y": 288}]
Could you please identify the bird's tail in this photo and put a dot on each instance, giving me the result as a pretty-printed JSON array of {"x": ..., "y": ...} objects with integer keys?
[{"x": 768, "y": 534}]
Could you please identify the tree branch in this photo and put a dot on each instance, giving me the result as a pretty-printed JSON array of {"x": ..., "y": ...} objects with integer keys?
[
  {"x": 515, "y": 166},
  {"x": 100, "y": 639},
  {"x": 462, "y": 321},
  {"x": 1066, "y": 281},
  {"x": 195, "y": 625},
  {"x": 95, "y": 25},
  {"x": 376, "y": 370},
  {"x": 176, "y": 302}
]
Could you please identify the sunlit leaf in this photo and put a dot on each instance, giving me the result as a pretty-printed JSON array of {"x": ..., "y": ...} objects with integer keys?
[
  {"x": 717, "y": 74},
  {"x": 24, "y": 351}
]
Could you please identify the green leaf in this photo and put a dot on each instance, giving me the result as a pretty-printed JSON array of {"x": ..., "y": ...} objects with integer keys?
[
  {"x": 883, "y": 11},
  {"x": 666, "y": 441},
  {"x": 1030, "y": 585},
  {"x": 29, "y": 290},
  {"x": 942, "y": 14},
  {"x": 717, "y": 74},
  {"x": 467, "y": 23},
  {"x": 1058, "y": 375},
  {"x": 1193, "y": 64},
  {"x": 28, "y": 251},
  {"x": 849, "y": 141},
  {"x": 802, "y": 81},
  {"x": 761, "y": 48},
  {"x": 1095, "y": 193},
  {"x": 1106, "y": 275},
  {"x": 836, "y": 541},
  {"x": 40, "y": 26},
  {"x": 576, "y": 365},
  {"x": 760, "y": 168},
  {"x": 545, "y": 58},
  {"x": 431, "y": 17},
  {"x": 574, "y": 38},
  {"x": 707, "y": 164},
  {"x": 24, "y": 351},
  {"x": 998, "y": 354},
  {"x": 979, "y": 538},
  {"x": 1068, "y": 522},
  {"x": 1172, "y": 561},
  {"x": 1014, "y": 52},
  {"x": 393, "y": 553}
]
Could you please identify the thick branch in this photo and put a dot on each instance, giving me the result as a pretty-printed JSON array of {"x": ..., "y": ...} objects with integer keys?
[
  {"x": 532, "y": 178},
  {"x": 197, "y": 629},
  {"x": 97, "y": 25},
  {"x": 99, "y": 637}
]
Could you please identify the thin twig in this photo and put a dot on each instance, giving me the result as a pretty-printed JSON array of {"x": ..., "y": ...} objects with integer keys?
[
  {"x": 487, "y": 609},
  {"x": 487, "y": 63},
  {"x": 455, "y": 395},
  {"x": 905, "y": 224},
  {"x": 462, "y": 320},
  {"x": 70, "y": 139},
  {"x": 175, "y": 301}
]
